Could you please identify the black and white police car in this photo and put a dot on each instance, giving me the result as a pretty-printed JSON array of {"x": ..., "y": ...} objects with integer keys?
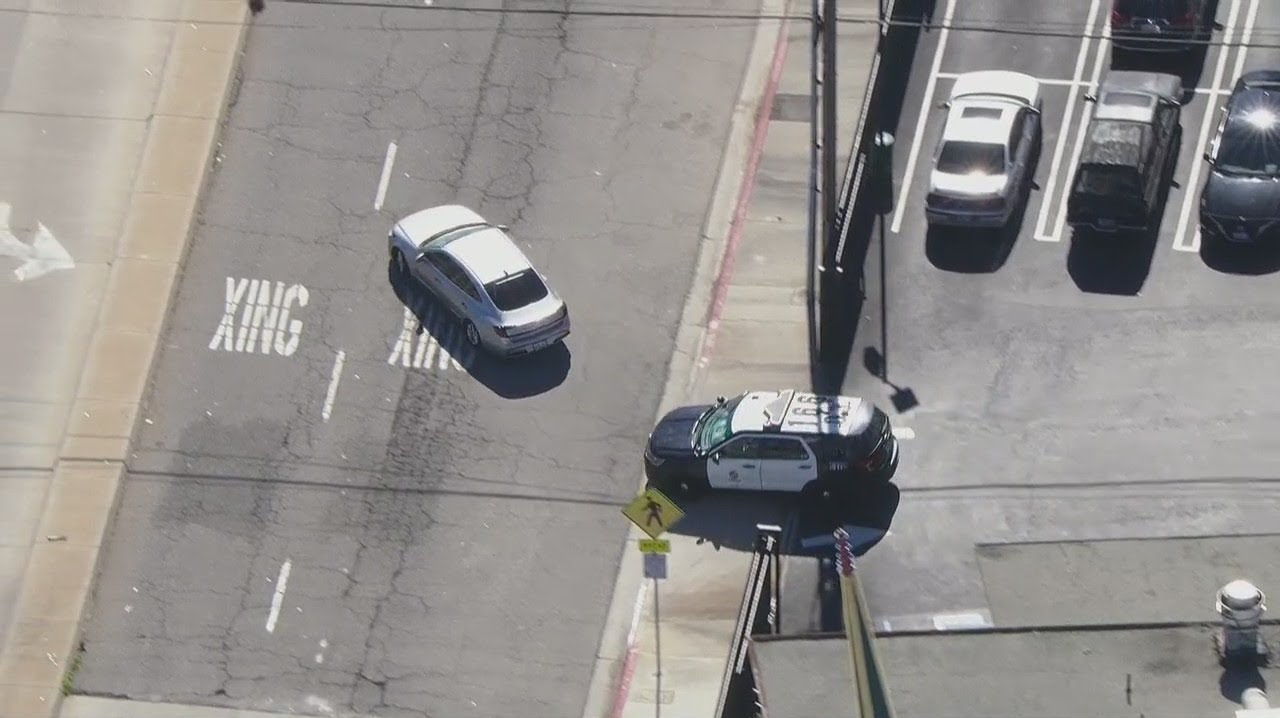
[{"x": 787, "y": 441}]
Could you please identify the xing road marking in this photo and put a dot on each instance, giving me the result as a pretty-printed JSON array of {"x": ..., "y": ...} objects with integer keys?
[
  {"x": 45, "y": 254},
  {"x": 926, "y": 109},
  {"x": 423, "y": 350},
  {"x": 277, "y": 599},
  {"x": 264, "y": 325},
  {"x": 1055, "y": 163},
  {"x": 387, "y": 164},
  {"x": 1187, "y": 238},
  {"x": 332, "y": 394}
]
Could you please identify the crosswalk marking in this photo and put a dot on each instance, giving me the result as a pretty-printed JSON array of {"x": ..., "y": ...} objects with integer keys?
[{"x": 440, "y": 346}]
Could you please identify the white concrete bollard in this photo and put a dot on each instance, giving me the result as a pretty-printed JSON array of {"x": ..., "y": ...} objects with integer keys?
[{"x": 1241, "y": 605}]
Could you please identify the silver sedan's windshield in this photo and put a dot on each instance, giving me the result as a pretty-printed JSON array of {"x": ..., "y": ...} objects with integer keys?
[{"x": 963, "y": 158}]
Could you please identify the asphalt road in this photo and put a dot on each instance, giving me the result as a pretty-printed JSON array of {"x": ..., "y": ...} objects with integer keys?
[
  {"x": 434, "y": 536},
  {"x": 1063, "y": 391}
]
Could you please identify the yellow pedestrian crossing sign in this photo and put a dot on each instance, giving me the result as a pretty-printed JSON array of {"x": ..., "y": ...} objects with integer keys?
[{"x": 653, "y": 512}]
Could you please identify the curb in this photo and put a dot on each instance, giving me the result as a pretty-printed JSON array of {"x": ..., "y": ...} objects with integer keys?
[{"x": 41, "y": 652}]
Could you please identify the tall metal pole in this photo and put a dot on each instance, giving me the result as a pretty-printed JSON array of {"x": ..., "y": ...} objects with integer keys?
[
  {"x": 817, "y": 228},
  {"x": 830, "y": 193},
  {"x": 657, "y": 648},
  {"x": 853, "y": 624}
]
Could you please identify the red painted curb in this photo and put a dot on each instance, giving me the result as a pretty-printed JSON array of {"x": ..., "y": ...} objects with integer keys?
[{"x": 720, "y": 288}]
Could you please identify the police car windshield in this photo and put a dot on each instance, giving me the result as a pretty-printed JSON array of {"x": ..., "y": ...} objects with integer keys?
[{"x": 717, "y": 426}]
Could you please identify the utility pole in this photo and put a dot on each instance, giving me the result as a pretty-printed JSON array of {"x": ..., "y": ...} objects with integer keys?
[{"x": 824, "y": 198}]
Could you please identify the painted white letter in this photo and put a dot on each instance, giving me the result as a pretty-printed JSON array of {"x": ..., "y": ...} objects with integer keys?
[
  {"x": 295, "y": 293},
  {"x": 226, "y": 329}
]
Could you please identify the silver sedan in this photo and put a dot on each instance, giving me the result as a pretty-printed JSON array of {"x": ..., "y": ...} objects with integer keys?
[{"x": 474, "y": 269}]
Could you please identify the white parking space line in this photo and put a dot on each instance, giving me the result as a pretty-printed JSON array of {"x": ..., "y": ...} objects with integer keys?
[
  {"x": 905, "y": 433},
  {"x": 336, "y": 377},
  {"x": 1061, "y": 82},
  {"x": 926, "y": 109},
  {"x": 1055, "y": 163},
  {"x": 1082, "y": 131},
  {"x": 387, "y": 164},
  {"x": 1186, "y": 238},
  {"x": 277, "y": 600}
]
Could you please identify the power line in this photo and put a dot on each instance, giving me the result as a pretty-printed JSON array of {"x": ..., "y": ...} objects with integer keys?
[
  {"x": 585, "y": 10},
  {"x": 589, "y": 9}
]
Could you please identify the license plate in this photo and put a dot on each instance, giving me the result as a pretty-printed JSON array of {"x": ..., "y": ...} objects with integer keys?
[
  {"x": 1240, "y": 235},
  {"x": 539, "y": 346},
  {"x": 1106, "y": 224}
]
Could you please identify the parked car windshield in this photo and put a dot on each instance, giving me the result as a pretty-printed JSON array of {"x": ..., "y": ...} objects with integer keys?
[
  {"x": 963, "y": 158},
  {"x": 1247, "y": 149},
  {"x": 717, "y": 426},
  {"x": 517, "y": 290},
  {"x": 1107, "y": 182},
  {"x": 1158, "y": 9}
]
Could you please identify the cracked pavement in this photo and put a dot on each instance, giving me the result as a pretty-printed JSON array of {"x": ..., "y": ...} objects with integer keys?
[{"x": 453, "y": 535}]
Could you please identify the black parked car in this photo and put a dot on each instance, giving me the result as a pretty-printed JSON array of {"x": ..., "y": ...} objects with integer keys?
[
  {"x": 1241, "y": 199},
  {"x": 1130, "y": 150},
  {"x": 1160, "y": 25}
]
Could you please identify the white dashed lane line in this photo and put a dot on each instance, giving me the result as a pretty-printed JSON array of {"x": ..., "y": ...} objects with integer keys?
[
  {"x": 385, "y": 180},
  {"x": 277, "y": 599}
]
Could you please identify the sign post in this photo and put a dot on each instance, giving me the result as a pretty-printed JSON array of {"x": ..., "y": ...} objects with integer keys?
[
  {"x": 653, "y": 513},
  {"x": 655, "y": 569}
]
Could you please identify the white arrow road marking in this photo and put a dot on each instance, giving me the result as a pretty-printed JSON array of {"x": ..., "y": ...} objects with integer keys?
[{"x": 45, "y": 254}]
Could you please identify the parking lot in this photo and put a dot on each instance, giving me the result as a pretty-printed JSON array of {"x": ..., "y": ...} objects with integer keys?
[{"x": 1065, "y": 390}]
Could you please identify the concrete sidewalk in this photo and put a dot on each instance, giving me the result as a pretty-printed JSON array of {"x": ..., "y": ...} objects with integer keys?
[
  {"x": 134, "y": 93},
  {"x": 756, "y": 337}
]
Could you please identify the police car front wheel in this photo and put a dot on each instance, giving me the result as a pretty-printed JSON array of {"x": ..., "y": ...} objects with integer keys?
[
  {"x": 818, "y": 490},
  {"x": 684, "y": 487}
]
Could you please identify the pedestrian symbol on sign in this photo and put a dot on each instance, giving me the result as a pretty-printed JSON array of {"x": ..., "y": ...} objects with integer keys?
[{"x": 653, "y": 512}]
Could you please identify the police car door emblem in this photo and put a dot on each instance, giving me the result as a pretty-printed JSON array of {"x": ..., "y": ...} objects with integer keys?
[{"x": 733, "y": 475}]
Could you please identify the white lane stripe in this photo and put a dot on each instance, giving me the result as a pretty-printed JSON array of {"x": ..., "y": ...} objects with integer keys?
[
  {"x": 1046, "y": 200},
  {"x": 333, "y": 384},
  {"x": 926, "y": 109},
  {"x": 277, "y": 600},
  {"x": 904, "y": 433},
  {"x": 1082, "y": 130},
  {"x": 385, "y": 181},
  {"x": 1192, "y": 243}
]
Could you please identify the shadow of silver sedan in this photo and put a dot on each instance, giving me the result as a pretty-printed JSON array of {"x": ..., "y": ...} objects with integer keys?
[{"x": 479, "y": 274}]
